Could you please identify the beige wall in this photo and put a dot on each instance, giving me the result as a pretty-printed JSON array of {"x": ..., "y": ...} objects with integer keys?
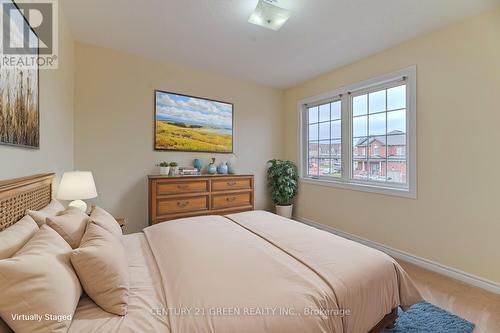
[
  {"x": 56, "y": 120},
  {"x": 114, "y": 124},
  {"x": 456, "y": 218}
]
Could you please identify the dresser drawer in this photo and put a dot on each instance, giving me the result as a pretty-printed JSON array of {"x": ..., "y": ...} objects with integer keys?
[
  {"x": 228, "y": 184},
  {"x": 179, "y": 187},
  {"x": 182, "y": 204},
  {"x": 220, "y": 201}
]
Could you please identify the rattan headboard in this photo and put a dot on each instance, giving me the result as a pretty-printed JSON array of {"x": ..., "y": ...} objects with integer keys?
[{"x": 18, "y": 195}]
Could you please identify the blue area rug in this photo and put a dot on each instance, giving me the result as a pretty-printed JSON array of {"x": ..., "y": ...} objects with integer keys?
[{"x": 426, "y": 318}]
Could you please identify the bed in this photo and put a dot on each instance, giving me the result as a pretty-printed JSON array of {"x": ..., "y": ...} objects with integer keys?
[{"x": 246, "y": 272}]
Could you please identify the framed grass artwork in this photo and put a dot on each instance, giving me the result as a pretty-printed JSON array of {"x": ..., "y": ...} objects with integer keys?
[
  {"x": 188, "y": 123},
  {"x": 19, "y": 88}
]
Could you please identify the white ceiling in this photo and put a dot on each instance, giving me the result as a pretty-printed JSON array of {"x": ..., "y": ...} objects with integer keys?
[{"x": 214, "y": 34}]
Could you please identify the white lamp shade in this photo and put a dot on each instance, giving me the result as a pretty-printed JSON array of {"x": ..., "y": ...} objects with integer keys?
[{"x": 76, "y": 185}]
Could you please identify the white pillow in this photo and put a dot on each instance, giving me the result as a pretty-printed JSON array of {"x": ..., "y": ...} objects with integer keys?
[
  {"x": 102, "y": 267},
  {"x": 39, "y": 279},
  {"x": 16, "y": 236},
  {"x": 52, "y": 209},
  {"x": 105, "y": 220},
  {"x": 12, "y": 240},
  {"x": 70, "y": 224}
]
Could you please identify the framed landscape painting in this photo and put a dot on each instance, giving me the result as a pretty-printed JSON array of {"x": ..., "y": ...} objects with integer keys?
[
  {"x": 187, "y": 123},
  {"x": 19, "y": 90}
]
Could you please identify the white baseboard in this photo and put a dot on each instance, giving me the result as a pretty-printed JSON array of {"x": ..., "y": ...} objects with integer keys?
[{"x": 418, "y": 261}]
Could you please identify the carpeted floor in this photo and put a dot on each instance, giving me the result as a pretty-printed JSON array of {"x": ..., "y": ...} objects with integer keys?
[{"x": 427, "y": 318}]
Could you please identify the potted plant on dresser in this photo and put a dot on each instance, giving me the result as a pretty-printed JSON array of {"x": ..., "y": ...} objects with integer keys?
[
  {"x": 164, "y": 168},
  {"x": 174, "y": 169},
  {"x": 282, "y": 180}
]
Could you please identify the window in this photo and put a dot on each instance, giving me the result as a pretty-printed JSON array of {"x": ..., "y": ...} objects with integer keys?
[
  {"x": 362, "y": 136},
  {"x": 324, "y": 139}
]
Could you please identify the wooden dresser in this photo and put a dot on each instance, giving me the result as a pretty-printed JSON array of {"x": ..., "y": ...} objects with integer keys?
[{"x": 185, "y": 196}]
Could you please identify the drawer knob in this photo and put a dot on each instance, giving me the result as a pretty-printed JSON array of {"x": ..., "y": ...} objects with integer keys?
[
  {"x": 182, "y": 203},
  {"x": 182, "y": 187},
  {"x": 231, "y": 183},
  {"x": 230, "y": 199}
]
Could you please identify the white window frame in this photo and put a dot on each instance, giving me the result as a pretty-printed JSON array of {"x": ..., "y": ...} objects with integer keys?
[{"x": 408, "y": 190}]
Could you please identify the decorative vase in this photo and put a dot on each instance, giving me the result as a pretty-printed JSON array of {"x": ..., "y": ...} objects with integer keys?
[
  {"x": 164, "y": 171},
  {"x": 231, "y": 168},
  {"x": 198, "y": 164},
  {"x": 174, "y": 171},
  {"x": 285, "y": 211},
  {"x": 222, "y": 168},
  {"x": 212, "y": 169}
]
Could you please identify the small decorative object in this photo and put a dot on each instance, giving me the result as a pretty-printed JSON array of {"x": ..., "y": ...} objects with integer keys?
[
  {"x": 77, "y": 186},
  {"x": 188, "y": 171},
  {"x": 198, "y": 164},
  {"x": 164, "y": 168},
  {"x": 222, "y": 168},
  {"x": 187, "y": 123},
  {"x": 231, "y": 165},
  {"x": 174, "y": 169},
  {"x": 282, "y": 180},
  {"x": 212, "y": 169},
  {"x": 230, "y": 168}
]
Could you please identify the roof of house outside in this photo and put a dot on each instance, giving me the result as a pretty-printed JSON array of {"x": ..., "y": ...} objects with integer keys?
[{"x": 394, "y": 138}]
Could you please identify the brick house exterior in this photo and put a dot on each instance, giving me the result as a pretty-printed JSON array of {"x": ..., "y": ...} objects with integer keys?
[
  {"x": 385, "y": 160},
  {"x": 372, "y": 157}
]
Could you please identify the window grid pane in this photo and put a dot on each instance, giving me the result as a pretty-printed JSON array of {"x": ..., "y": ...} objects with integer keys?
[
  {"x": 396, "y": 98},
  {"x": 324, "y": 149},
  {"x": 313, "y": 151},
  {"x": 324, "y": 112},
  {"x": 396, "y": 158},
  {"x": 336, "y": 110},
  {"x": 312, "y": 167},
  {"x": 313, "y": 132},
  {"x": 312, "y": 115},
  {"x": 360, "y": 126}
]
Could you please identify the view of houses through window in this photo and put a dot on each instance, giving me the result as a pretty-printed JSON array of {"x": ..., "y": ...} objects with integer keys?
[{"x": 379, "y": 135}]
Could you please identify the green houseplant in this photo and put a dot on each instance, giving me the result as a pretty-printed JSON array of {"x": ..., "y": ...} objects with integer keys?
[
  {"x": 283, "y": 182},
  {"x": 174, "y": 170},
  {"x": 164, "y": 168}
]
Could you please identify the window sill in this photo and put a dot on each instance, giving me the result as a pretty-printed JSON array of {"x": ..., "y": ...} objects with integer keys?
[{"x": 392, "y": 191}]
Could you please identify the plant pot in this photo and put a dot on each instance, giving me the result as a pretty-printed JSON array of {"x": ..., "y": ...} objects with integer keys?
[
  {"x": 174, "y": 171},
  {"x": 285, "y": 211},
  {"x": 164, "y": 171}
]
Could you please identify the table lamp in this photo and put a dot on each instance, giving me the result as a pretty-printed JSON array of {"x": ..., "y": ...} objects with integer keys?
[{"x": 77, "y": 186}]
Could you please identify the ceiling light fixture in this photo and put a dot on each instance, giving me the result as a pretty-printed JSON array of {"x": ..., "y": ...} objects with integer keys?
[{"x": 267, "y": 14}]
